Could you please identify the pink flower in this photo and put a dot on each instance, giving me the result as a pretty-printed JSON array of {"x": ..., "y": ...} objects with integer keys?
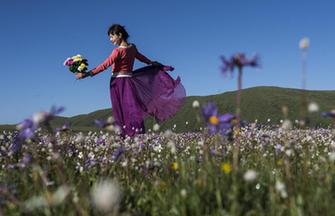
[{"x": 68, "y": 62}]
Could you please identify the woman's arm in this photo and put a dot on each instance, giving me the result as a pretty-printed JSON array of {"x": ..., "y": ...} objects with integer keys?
[
  {"x": 141, "y": 57},
  {"x": 107, "y": 63}
]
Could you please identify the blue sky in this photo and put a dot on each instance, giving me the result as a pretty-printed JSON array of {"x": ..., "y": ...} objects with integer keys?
[{"x": 36, "y": 36}]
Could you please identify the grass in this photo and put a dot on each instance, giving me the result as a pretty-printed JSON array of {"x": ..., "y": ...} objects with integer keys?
[{"x": 172, "y": 174}]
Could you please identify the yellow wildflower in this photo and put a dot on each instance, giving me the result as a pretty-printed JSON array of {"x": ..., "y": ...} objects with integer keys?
[
  {"x": 174, "y": 166},
  {"x": 162, "y": 184},
  {"x": 237, "y": 131},
  {"x": 214, "y": 120},
  {"x": 77, "y": 59},
  {"x": 280, "y": 162},
  {"x": 226, "y": 168},
  {"x": 81, "y": 66}
]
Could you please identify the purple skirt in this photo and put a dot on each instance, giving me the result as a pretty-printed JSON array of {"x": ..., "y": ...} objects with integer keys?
[{"x": 151, "y": 91}]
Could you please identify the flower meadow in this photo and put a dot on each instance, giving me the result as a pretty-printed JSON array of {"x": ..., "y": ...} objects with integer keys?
[
  {"x": 281, "y": 172},
  {"x": 231, "y": 167}
]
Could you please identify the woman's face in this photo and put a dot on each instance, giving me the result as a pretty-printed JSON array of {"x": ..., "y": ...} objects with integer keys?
[{"x": 115, "y": 39}]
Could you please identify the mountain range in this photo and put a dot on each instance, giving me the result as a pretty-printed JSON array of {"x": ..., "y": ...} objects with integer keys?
[{"x": 263, "y": 104}]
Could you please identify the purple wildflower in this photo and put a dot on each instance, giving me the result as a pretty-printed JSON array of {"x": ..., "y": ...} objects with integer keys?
[
  {"x": 56, "y": 110},
  {"x": 28, "y": 126},
  {"x": 16, "y": 145},
  {"x": 89, "y": 163},
  {"x": 209, "y": 110},
  {"x": 65, "y": 127},
  {"x": 217, "y": 123},
  {"x": 239, "y": 61},
  {"x": 100, "y": 123},
  {"x": 278, "y": 148},
  {"x": 101, "y": 141},
  {"x": 26, "y": 158},
  {"x": 141, "y": 145},
  {"x": 116, "y": 154},
  {"x": 330, "y": 114}
]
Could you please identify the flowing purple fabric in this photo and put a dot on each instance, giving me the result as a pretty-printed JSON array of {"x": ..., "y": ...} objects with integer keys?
[{"x": 151, "y": 91}]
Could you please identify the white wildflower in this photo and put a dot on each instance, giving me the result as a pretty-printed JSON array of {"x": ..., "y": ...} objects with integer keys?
[
  {"x": 250, "y": 175},
  {"x": 124, "y": 163},
  {"x": 156, "y": 127},
  {"x": 183, "y": 193},
  {"x": 313, "y": 107},
  {"x": 106, "y": 195},
  {"x": 288, "y": 152},
  {"x": 80, "y": 137},
  {"x": 172, "y": 147},
  {"x": 39, "y": 117},
  {"x": 35, "y": 202},
  {"x": 287, "y": 124},
  {"x": 304, "y": 43},
  {"x": 281, "y": 188},
  {"x": 110, "y": 120},
  {"x": 195, "y": 104},
  {"x": 61, "y": 193},
  {"x": 332, "y": 156}
]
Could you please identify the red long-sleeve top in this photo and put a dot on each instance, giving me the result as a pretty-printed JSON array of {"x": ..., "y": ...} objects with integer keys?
[{"x": 122, "y": 60}]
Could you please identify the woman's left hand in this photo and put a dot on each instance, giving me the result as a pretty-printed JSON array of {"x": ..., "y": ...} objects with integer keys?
[{"x": 155, "y": 63}]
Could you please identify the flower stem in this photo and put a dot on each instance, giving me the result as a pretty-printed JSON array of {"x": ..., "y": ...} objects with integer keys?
[
  {"x": 237, "y": 129},
  {"x": 238, "y": 96},
  {"x": 304, "y": 91}
]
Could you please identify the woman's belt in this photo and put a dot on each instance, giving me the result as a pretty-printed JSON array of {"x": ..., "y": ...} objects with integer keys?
[{"x": 123, "y": 74}]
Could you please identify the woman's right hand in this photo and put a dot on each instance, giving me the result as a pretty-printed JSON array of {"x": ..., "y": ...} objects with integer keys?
[{"x": 80, "y": 75}]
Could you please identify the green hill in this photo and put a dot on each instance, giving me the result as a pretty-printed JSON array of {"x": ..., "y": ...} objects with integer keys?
[{"x": 261, "y": 103}]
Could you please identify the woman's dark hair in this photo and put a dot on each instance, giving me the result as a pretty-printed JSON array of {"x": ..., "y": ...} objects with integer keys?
[{"x": 117, "y": 29}]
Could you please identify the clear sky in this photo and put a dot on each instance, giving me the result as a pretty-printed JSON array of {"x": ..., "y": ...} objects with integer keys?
[{"x": 36, "y": 36}]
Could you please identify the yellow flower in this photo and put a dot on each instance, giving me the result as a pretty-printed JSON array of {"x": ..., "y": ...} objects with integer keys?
[
  {"x": 280, "y": 162},
  {"x": 237, "y": 132},
  {"x": 162, "y": 184},
  {"x": 214, "y": 120},
  {"x": 76, "y": 59},
  {"x": 174, "y": 166},
  {"x": 81, "y": 67},
  {"x": 76, "y": 56},
  {"x": 226, "y": 168}
]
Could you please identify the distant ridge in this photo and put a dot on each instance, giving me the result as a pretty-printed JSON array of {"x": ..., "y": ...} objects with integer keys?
[{"x": 261, "y": 103}]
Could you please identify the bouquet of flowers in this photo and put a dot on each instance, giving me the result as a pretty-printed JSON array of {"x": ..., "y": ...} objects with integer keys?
[{"x": 76, "y": 64}]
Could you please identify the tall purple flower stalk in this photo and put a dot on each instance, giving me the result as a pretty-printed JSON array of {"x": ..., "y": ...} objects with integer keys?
[
  {"x": 28, "y": 126},
  {"x": 238, "y": 61}
]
